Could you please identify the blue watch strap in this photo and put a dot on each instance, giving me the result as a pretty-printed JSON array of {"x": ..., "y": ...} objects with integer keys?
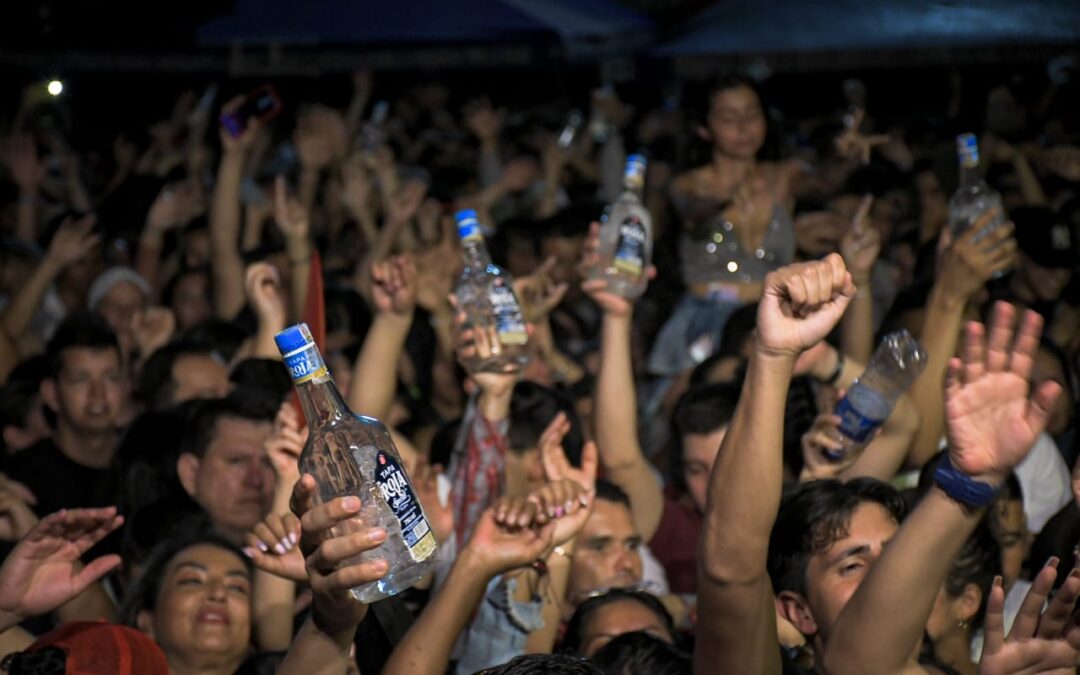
[{"x": 962, "y": 487}]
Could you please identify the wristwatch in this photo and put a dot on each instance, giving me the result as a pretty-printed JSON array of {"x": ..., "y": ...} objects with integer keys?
[{"x": 963, "y": 488}]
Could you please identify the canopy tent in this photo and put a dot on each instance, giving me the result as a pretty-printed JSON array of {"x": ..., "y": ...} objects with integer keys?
[
  {"x": 381, "y": 23},
  {"x": 731, "y": 27}
]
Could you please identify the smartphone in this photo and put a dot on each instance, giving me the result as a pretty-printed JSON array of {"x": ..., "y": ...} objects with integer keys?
[{"x": 263, "y": 104}]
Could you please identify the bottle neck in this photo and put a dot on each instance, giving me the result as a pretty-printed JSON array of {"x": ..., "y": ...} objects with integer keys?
[
  {"x": 321, "y": 401},
  {"x": 632, "y": 187},
  {"x": 970, "y": 175},
  {"x": 475, "y": 253}
]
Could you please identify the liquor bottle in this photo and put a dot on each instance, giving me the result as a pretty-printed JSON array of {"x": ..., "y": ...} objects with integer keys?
[
  {"x": 974, "y": 197},
  {"x": 626, "y": 236},
  {"x": 898, "y": 360},
  {"x": 353, "y": 455},
  {"x": 485, "y": 292}
]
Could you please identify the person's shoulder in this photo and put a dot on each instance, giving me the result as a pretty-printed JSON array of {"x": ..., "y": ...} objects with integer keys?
[{"x": 42, "y": 453}]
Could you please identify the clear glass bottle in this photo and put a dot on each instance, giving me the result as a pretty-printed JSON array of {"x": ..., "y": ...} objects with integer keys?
[
  {"x": 898, "y": 360},
  {"x": 349, "y": 454},
  {"x": 626, "y": 236},
  {"x": 974, "y": 197},
  {"x": 485, "y": 292}
]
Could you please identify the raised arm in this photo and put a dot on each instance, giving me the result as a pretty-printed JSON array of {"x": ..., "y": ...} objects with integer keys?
[
  {"x": 294, "y": 221},
  {"x": 226, "y": 263},
  {"x": 393, "y": 292},
  {"x": 616, "y": 405},
  {"x": 860, "y": 247},
  {"x": 966, "y": 267},
  {"x": 991, "y": 427},
  {"x": 737, "y": 618},
  {"x": 27, "y": 171}
]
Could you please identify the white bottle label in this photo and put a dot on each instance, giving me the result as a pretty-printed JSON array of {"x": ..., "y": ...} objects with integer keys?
[
  {"x": 630, "y": 247},
  {"x": 399, "y": 496},
  {"x": 509, "y": 324}
]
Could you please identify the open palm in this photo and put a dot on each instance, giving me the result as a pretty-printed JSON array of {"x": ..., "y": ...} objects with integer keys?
[{"x": 991, "y": 423}]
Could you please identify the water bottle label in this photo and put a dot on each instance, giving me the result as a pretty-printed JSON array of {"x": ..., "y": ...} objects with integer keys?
[
  {"x": 509, "y": 324},
  {"x": 854, "y": 424},
  {"x": 630, "y": 247},
  {"x": 305, "y": 363},
  {"x": 399, "y": 496}
]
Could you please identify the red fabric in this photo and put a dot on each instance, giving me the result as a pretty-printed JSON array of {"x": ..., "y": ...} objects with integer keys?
[
  {"x": 99, "y": 648},
  {"x": 314, "y": 314},
  {"x": 675, "y": 543}
]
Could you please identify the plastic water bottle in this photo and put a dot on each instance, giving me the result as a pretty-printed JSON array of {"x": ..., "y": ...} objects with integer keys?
[
  {"x": 485, "y": 292},
  {"x": 626, "y": 236},
  {"x": 974, "y": 197},
  {"x": 899, "y": 359},
  {"x": 354, "y": 455}
]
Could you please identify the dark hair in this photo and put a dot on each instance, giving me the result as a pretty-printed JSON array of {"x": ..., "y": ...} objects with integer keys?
[
  {"x": 722, "y": 83},
  {"x": 268, "y": 375},
  {"x": 156, "y": 386},
  {"x": 978, "y": 562},
  {"x": 815, "y": 515},
  {"x": 610, "y": 492},
  {"x": 572, "y": 638},
  {"x": 168, "y": 294},
  {"x": 701, "y": 410},
  {"x": 17, "y": 400},
  {"x": 142, "y": 596},
  {"x": 544, "y": 664},
  {"x": 240, "y": 404},
  {"x": 738, "y": 330},
  {"x": 80, "y": 330},
  {"x": 640, "y": 653},
  {"x": 225, "y": 337},
  {"x": 532, "y": 408},
  {"x": 146, "y": 457}
]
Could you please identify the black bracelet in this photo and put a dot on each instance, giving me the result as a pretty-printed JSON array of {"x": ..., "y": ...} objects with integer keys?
[{"x": 838, "y": 370}]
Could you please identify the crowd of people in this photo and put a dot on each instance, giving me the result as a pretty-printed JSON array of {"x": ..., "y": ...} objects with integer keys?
[{"x": 657, "y": 490}]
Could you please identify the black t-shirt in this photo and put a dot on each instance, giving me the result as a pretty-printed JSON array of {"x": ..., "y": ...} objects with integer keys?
[{"x": 59, "y": 482}]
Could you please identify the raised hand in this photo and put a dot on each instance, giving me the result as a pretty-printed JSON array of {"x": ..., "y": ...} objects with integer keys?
[
  {"x": 285, "y": 444},
  {"x": 1040, "y": 642},
  {"x": 273, "y": 547},
  {"x": 394, "y": 285},
  {"x": 326, "y": 555},
  {"x": 164, "y": 213},
  {"x": 820, "y": 438},
  {"x": 861, "y": 244},
  {"x": 152, "y": 329},
  {"x": 26, "y": 168},
  {"x": 72, "y": 240},
  {"x": 242, "y": 143},
  {"x": 801, "y": 303},
  {"x": 262, "y": 286},
  {"x": 484, "y": 121},
  {"x": 320, "y": 138},
  {"x": 853, "y": 144},
  {"x": 496, "y": 548},
  {"x": 405, "y": 203},
  {"x": 290, "y": 215},
  {"x": 553, "y": 458},
  {"x": 538, "y": 292},
  {"x": 990, "y": 422},
  {"x": 966, "y": 265},
  {"x": 566, "y": 504},
  {"x": 44, "y": 571}
]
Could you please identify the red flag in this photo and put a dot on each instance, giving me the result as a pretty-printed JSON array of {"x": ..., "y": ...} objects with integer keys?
[{"x": 314, "y": 313}]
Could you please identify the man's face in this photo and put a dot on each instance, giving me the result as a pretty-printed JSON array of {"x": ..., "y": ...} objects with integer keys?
[
  {"x": 199, "y": 376},
  {"x": 235, "y": 480},
  {"x": 89, "y": 391},
  {"x": 618, "y": 618},
  {"x": 833, "y": 574},
  {"x": 606, "y": 555},
  {"x": 699, "y": 454},
  {"x": 1047, "y": 283},
  {"x": 120, "y": 305},
  {"x": 1009, "y": 525},
  {"x": 191, "y": 301}
]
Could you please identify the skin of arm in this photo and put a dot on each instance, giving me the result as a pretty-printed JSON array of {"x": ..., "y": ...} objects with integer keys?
[
  {"x": 226, "y": 264},
  {"x": 737, "y": 617},
  {"x": 991, "y": 427},
  {"x": 860, "y": 247}
]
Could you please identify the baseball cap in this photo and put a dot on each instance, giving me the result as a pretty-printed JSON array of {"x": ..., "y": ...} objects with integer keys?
[
  {"x": 1044, "y": 237},
  {"x": 89, "y": 648},
  {"x": 111, "y": 277}
]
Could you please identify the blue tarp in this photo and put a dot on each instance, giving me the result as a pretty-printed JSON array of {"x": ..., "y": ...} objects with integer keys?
[
  {"x": 776, "y": 26},
  {"x": 397, "y": 22}
]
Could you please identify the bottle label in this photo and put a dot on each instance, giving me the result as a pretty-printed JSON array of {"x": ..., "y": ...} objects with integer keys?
[
  {"x": 630, "y": 247},
  {"x": 305, "y": 363},
  {"x": 509, "y": 324},
  {"x": 399, "y": 496},
  {"x": 853, "y": 423}
]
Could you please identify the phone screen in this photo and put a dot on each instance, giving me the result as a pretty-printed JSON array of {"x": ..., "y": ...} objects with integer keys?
[{"x": 261, "y": 104}]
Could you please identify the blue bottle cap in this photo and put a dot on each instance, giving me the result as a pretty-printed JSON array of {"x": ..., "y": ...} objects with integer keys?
[
  {"x": 293, "y": 338},
  {"x": 468, "y": 224},
  {"x": 967, "y": 143}
]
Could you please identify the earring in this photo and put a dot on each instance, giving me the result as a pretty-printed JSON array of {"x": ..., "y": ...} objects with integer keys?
[{"x": 962, "y": 624}]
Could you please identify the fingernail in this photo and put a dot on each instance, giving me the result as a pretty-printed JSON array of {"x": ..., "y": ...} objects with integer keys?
[
  {"x": 249, "y": 552},
  {"x": 263, "y": 548},
  {"x": 584, "y": 499},
  {"x": 558, "y": 511},
  {"x": 279, "y": 549},
  {"x": 378, "y": 566},
  {"x": 568, "y": 506},
  {"x": 351, "y": 503},
  {"x": 1053, "y": 561},
  {"x": 998, "y": 581},
  {"x": 376, "y": 534},
  {"x": 293, "y": 538},
  {"x": 286, "y": 544}
]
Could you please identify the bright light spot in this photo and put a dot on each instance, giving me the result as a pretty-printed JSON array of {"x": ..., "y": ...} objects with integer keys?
[
  {"x": 733, "y": 267},
  {"x": 55, "y": 87}
]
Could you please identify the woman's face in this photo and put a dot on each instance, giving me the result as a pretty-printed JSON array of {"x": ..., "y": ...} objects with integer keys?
[
  {"x": 736, "y": 123},
  {"x": 203, "y": 607},
  {"x": 191, "y": 300}
]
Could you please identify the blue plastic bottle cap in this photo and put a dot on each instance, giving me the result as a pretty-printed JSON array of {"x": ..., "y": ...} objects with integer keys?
[
  {"x": 636, "y": 159},
  {"x": 293, "y": 338},
  {"x": 468, "y": 224},
  {"x": 967, "y": 142}
]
